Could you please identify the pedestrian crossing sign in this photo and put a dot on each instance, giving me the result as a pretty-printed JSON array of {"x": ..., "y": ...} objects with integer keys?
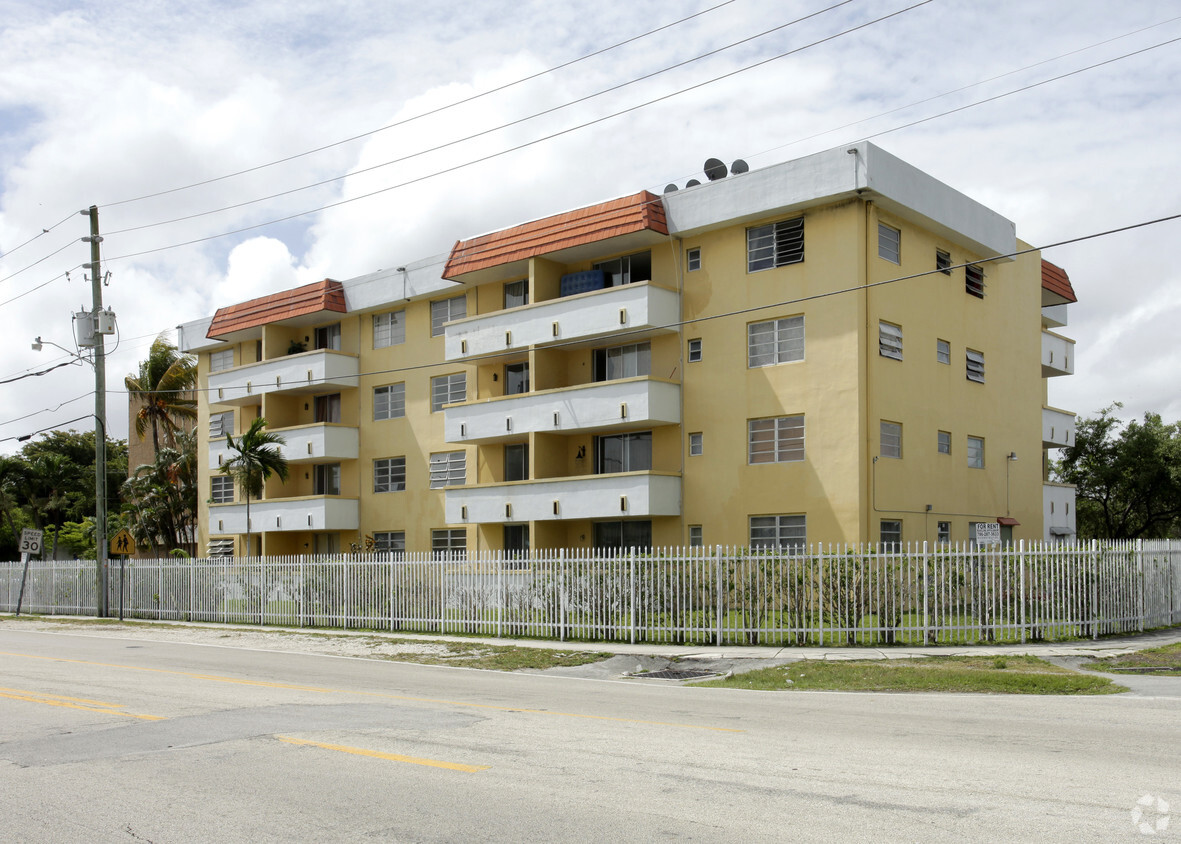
[{"x": 123, "y": 543}]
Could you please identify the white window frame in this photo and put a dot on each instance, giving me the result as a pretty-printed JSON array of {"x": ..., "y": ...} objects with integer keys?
[
  {"x": 777, "y": 439},
  {"x": 943, "y": 442},
  {"x": 974, "y": 366},
  {"x": 696, "y": 536},
  {"x": 894, "y": 529},
  {"x": 696, "y": 444},
  {"x": 389, "y": 329},
  {"x": 890, "y": 442},
  {"x": 389, "y": 474},
  {"x": 889, "y": 340},
  {"x": 444, "y": 311},
  {"x": 516, "y": 289},
  {"x": 221, "y": 359},
  {"x": 775, "y": 245},
  {"x": 943, "y": 352},
  {"x": 775, "y": 341},
  {"x": 889, "y": 243},
  {"x": 389, "y": 401},
  {"x": 635, "y": 452},
  {"x": 389, "y": 542},
  {"x": 975, "y": 452},
  {"x": 693, "y": 259},
  {"x": 631, "y": 360},
  {"x": 789, "y": 531},
  {"x": 221, "y": 489},
  {"x": 448, "y": 389},
  {"x": 694, "y": 353},
  {"x": 449, "y": 541},
  {"x": 943, "y": 533},
  {"x": 326, "y": 479},
  {"x": 448, "y": 468}
]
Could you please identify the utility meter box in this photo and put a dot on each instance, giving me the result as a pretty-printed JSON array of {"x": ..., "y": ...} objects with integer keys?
[{"x": 104, "y": 322}]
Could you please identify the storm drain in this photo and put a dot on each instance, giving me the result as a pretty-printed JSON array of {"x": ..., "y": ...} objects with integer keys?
[{"x": 675, "y": 674}]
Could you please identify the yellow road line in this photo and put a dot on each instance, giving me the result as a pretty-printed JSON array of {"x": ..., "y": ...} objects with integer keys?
[
  {"x": 383, "y": 695},
  {"x": 71, "y": 703},
  {"x": 393, "y": 757}
]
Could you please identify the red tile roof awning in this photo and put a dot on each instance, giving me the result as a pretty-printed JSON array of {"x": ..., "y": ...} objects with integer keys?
[
  {"x": 643, "y": 211},
  {"x": 1008, "y": 521},
  {"x": 1055, "y": 280},
  {"x": 320, "y": 296}
]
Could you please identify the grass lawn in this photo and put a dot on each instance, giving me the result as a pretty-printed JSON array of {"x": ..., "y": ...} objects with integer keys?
[
  {"x": 1025, "y": 675},
  {"x": 1164, "y": 660}
]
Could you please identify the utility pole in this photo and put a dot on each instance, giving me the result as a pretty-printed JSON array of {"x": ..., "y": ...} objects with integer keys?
[{"x": 100, "y": 416}]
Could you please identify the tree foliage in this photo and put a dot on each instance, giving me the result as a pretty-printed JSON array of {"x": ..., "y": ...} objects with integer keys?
[
  {"x": 163, "y": 384},
  {"x": 1127, "y": 477},
  {"x": 160, "y": 498},
  {"x": 50, "y": 482}
]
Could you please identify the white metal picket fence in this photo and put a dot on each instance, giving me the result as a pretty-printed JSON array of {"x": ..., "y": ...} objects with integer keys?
[{"x": 828, "y": 595}]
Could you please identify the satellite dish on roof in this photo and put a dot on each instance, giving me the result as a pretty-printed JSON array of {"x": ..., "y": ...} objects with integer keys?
[
  {"x": 739, "y": 166},
  {"x": 670, "y": 187},
  {"x": 692, "y": 183},
  {"x": 715, "y": 169}
]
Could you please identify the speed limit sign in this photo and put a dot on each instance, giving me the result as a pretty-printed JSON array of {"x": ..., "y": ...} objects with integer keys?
[{"x": 31, "y": 542}]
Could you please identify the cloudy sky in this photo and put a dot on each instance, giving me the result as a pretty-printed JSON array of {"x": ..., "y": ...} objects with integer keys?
[{"x": 237, "y": 148}]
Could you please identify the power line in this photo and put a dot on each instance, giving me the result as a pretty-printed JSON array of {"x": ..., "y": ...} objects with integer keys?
[
  {"x": 520, "y": 146},
  {"x": 41, "y": 234},
  {"x": 754, "y": 309},
  {"x": 482, "y": 132},
  {"x": 429, "y": 113}
]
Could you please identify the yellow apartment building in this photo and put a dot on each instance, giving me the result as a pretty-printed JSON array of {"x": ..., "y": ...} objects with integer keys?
[{"x": 834, "y": 349}]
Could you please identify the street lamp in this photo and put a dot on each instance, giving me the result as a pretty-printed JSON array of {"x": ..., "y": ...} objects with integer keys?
[{"x": 100, "y": 469}]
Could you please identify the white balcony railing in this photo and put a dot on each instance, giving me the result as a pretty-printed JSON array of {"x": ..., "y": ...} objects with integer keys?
[
  {"x": 1057, "y": 355},
  {"x": 308, "y": 372},
  {"x": 316, "y": 443},
  {"x": 590, "y": 407},
  {"x": 633, "y": 308},
  {"x": 1057, "y": 428},
  {"x": 618, "y": 496},
  {"x": 313, "y": 512}
]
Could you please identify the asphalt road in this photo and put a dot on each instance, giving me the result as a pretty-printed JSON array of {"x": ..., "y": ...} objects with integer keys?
[{"x": 110, "y": 740}]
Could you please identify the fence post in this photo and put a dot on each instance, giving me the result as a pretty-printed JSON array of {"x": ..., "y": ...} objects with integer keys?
[
  {"x": 562, "y": 594},
  {"x": 1095, "y": 596},
  {"x": 1143, "y": 584},
  {"x": 718, "y": 593},
  {"x": 1021, "y": 576},
  {"x": 926, "y": 592},
  {"x": 498, "y": 559},
  {"x": 631, "y": 589},
  {"x": 819, "y": 563}
]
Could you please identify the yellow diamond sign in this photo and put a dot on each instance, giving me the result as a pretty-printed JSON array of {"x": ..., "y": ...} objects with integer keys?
[{"x": 123, "y": 543}]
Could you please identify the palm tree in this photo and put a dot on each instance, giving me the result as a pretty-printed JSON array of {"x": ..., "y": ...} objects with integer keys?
[
  {"x": 160, "y": 498},
  {"x": 164, "y": 385},
  {"x": 256, "y": 458}
]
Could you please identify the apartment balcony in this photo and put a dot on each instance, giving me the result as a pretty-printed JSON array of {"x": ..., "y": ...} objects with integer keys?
[
  {"x": 1054, "y": 316},
  {"x": 618, "y": 496},
  {"x": 1058, "y": 512},
  {"x": 639, "y": 309},
  {"x": 1057, "y": 355},
  {"x": 318, "y": 443},
  {"x": 590, "y": 407},
  {"x": 319, "y": 371},
  {"x": 312, "y": 512},
  {"x": 1057, "y": 428}
]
